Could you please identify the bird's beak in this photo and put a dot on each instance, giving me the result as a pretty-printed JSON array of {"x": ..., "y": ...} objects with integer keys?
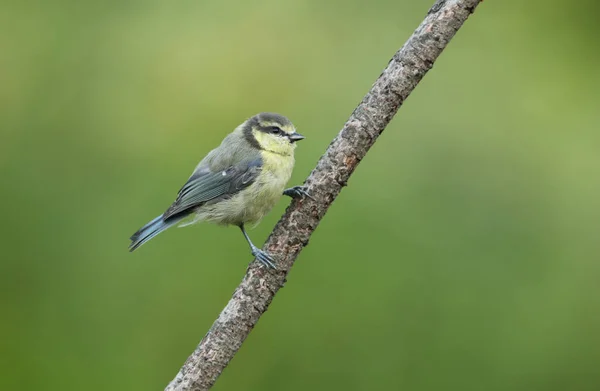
[{"x": 295, "y": 137}]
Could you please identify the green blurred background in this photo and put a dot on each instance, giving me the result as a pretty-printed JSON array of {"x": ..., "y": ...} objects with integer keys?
[{"x": 464, "y": 254}]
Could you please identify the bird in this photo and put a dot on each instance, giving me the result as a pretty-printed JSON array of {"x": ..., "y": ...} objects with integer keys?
[{"x": 237, "y": 183}]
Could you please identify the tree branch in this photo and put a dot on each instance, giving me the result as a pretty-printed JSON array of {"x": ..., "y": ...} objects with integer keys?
[{"x": 254, "y": 294}]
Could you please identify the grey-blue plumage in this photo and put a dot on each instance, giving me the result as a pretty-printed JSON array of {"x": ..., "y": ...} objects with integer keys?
[
  {"x": 202, "y": 188},
  {"x": 150, "y": 230}
]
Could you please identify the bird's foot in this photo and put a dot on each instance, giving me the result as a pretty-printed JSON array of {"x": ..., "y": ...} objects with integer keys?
[
  {"x": 297, "y": 192},
  {"x": 263, "y": 257}
]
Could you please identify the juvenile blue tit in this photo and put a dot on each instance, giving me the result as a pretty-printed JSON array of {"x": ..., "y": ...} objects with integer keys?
[{"x": 237, "y": 183}]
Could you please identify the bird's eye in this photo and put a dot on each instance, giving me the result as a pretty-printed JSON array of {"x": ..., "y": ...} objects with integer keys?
[{"x": 275, "y": 130}]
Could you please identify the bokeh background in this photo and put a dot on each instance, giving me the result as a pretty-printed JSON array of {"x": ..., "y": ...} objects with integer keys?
[{"x": 464, "y": 254}]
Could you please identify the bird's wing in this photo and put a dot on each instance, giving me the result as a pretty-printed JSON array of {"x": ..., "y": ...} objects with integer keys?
[{"x": 206, "y": 185}]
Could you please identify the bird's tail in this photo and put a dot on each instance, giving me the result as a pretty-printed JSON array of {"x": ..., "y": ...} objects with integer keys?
[{"x": 150, "y": 230}]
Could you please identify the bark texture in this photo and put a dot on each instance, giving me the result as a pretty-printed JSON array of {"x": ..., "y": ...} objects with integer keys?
[{"x": 254, "y": 294}]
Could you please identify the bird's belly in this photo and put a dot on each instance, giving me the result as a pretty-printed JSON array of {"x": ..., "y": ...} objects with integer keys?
[{"x": 250, "y": 205}]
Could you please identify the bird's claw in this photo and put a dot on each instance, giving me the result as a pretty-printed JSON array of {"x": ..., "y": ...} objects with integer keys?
[
  {"x": 297, "y": 192},
  {"x": 263, "y": 258}
]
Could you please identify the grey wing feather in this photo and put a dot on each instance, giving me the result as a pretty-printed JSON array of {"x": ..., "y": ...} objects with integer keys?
[{"x": 205, "y": 185}]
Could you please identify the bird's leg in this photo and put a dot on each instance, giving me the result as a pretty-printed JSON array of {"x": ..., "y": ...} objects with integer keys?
[
  {"x": 297, "y": 192},
  {"x": 262, "y": 256}
]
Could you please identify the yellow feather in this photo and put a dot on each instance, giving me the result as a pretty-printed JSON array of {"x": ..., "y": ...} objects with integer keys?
[
  {"x": 271, "y": 143},
  {"x": 253, "y": 203}
]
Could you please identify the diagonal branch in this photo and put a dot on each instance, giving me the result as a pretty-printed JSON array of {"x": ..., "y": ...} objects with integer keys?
[{"x": 254, "y": 294}]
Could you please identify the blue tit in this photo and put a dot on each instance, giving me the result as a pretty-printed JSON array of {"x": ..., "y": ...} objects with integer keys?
[{"x": 237, "y": 183}]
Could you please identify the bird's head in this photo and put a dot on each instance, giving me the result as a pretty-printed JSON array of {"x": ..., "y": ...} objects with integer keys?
[{"x": 272, "y": 132}]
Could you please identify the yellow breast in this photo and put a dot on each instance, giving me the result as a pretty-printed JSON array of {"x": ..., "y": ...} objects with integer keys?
[
  {"x": 251, "y": 204},
  {"x": 268, "y": 188}
]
